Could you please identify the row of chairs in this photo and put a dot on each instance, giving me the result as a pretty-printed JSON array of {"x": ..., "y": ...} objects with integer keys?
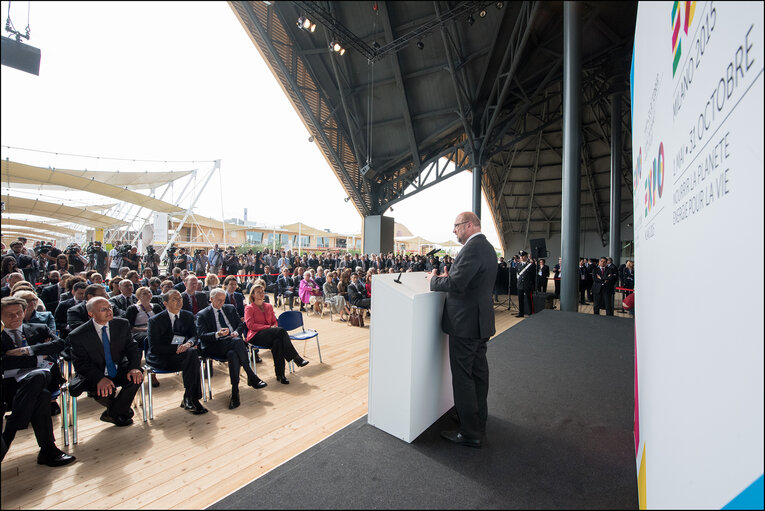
[{"x": 289, "y": 320}]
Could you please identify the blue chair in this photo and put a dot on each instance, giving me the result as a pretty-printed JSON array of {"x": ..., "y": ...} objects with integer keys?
[
  {"x": 291, "y": 320},
  {"x": 151, "y": 369}
]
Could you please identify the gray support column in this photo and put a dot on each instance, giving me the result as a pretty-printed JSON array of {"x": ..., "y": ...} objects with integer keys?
[
  {"x": 572, "y": 125},
  {"x": 615, "y": 239},
  {"x": 477, "y": 172}
]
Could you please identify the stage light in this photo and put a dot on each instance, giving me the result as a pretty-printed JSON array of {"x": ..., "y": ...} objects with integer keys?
[
  {"x": 482, "y": 13},
  {"x": 470, "y": 20},
  {"x": 420, "y": 45},
  {"x": 342, "y": 51},
  {"x": 306, "y": 24},
  {"x": 336, "y": 47}
]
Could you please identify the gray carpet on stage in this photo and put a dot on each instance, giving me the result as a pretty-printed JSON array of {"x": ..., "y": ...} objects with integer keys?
[{"x": 559, "y": 435}]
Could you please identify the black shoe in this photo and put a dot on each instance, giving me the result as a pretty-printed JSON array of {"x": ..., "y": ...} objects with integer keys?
[
  {"x": 283, "y": 380},
  {"x": 256, "y": 383},
  {"x": 54, "y": 457},
  {"x": 154, "y": 381},
  {"x": 194, "y": 406},
  {"x": 233, "y": 402},
  {"x": 55, "y": 409},
  {"x": 258, "y": 360},
  {"x": 457, "y": 438},
  {"x": 300, "y": 362},
  {"x": 519, "y": 315}
]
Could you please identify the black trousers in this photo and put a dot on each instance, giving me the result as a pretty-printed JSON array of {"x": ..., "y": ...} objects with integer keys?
[
  {"x": 118, "y": 403},
  {"x": 557, "y": 288},
  {"x": 603, "y": 299},
  {"x": 188, "y": 363},
  {"x": 470, "y": 383},
  {"x": 522, "y": 297},
  {"x": 363, "y": 302},
  {"x": 582, "y": 290},
  {"x": 233, "y": 350},
  {"x": 278, "y": 341},
  {"x": 31, "y": 403},
  {"x": 290, "y": 297}
]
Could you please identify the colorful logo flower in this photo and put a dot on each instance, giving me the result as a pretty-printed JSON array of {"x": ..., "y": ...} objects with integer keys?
[{"x": 679, "y": 18}]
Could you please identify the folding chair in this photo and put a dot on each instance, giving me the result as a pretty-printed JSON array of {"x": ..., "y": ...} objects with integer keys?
[
  {"x": 290, "y": 320},
  {"x": 151, "y": 369}
]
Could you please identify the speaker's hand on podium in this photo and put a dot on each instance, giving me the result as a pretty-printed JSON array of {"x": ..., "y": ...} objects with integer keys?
[{"x": 431, "y": 275}]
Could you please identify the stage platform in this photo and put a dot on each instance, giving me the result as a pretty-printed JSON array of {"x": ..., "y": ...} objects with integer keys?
[{"x": 559, "y": 435}]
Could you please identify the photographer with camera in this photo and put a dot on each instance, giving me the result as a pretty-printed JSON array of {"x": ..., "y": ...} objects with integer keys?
[
  {"x": 200, "y": 262},
  {"x": 114, "y": 261},
  {"x": 231, "y": 262},
  {"x": 76, "y": 260},
  {"x": 181, "y": 260},
  {"x": 131, "y": 259},
  {"x": 151, "y": 260},
  {"x": 97, "y": 257},
  {"x": 215, "y": 258}
]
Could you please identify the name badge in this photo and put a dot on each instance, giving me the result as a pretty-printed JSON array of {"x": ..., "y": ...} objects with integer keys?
[{"x": 179, "y": 339}]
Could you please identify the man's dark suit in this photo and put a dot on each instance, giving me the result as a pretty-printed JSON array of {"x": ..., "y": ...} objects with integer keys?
[
  {"x": 238, "y": 302},
  {"x": 199, "y": 296},
  {"x": 5, "y": 291},
  {"x": 283, "y": 285},
  {"x": 468, "y": 319},
  {"x": 61, "y": 316},
  {"x": 231, "y": 348},
  {"x": 89, "y": 362},
  {"x": 357, "y": 295},
  {"x": 542, "y": 279},
  {"x": 603, "y": 283},
  {"x": 122, "y": 302},
  {"x": 30, "y": 398},
  {"x": 180, "y": 287},
  {"x": 162, "y": 352}
]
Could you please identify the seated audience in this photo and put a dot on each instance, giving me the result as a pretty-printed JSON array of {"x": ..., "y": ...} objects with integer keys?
[
  {"x": 32, "y": 315},
  {"x": 139, "y": 314},
  {"x": 126, "y": 298},
  {"x": 211, "y": 282},
  {"x": 105, "y": 354},
  {"x": 310, "y": 293},
  {"x": 193, "y": 299},
  {"x": 50, "y": 294},
  {"x": 114, "y": 287},
  {"x": 357, "y": 293},
  {"x": 233, "y": 296},
  {"x": 173, "y": 346},
  {"x": 264, "y": 331},
  {"x": 219, "y": 330},
  {"x": 29, "y": 397},
  {"x": 78, "y": 314},
  {"x": 336, "y": 301},
  {"x": 78, "y": 292},
  {"x": 286, "y": 287}
]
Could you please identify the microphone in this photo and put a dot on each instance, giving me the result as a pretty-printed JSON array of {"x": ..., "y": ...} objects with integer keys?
[
  {"x": 432, "y": 252},
  {"x": 398, "y": 280}
]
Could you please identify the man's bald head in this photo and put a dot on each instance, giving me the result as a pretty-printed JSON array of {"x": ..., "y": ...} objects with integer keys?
[{"x": 466, "y": 224}]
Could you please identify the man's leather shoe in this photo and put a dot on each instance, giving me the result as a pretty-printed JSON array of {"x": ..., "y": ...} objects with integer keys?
[
  {"x": 258, "y": 360},
  {"x": 256, "y": 383},
  {"x": 457, "y": 438},
  {"x": 233, "y": 402},
  {"x": 194, "y": 406},
  {"x": 54, "y": 457},
  {"x": 300, "y": 362},
  {"x": 283, "y": 380},
  {"x": 519, "y": 315},
  {"x": 122, "y": 421}
]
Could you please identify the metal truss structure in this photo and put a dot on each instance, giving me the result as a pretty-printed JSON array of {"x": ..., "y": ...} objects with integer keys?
[{"x": 482, "y": 88}]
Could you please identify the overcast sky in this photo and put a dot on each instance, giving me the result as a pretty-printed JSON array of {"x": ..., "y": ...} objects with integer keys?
[{"x": 183, "y": 81}]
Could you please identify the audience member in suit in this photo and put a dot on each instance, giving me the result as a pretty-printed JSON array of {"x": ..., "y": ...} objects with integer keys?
[
  {"x": 582, "y": 280},
  {"x": 357, "y": 293},
  {"x": 468, "y": 318},
  {"x": 138, "y": 316},
  {"x": 32, "y": 315},
  {"x": 591, "y": 266},
  {"x": 126, "y": 298},
  {"x": 173, "y": 347},
  {"x": 233, "y": 296},
  {"x": 148, "y": 274},
  {"x": 556, "y": 277},
  {"x": 78, "y": 314},
  {"x": 50, "y": 294},
  {"x": 603, "y": 281},
  {"x": 286, "y": 287},
  {"x": 29, "y": 398},
  {"x": 220, "y": 332},
  {"x": 543, "y": 274},
  {"x": 79, "y": 295},
  {"x": 154, "y": 284},
  {"x": 264, "y": 330},
  {"x": 193, "y": 299},
  {"x": 628, "y": 276},
  {"x": 105, "y": 354},
  {"x": 164, "y": 287}
]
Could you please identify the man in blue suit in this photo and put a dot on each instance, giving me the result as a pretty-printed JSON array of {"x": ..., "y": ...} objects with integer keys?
[{"x": 233, "y": 296}]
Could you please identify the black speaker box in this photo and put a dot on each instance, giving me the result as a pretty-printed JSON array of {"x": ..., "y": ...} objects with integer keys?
[{"x": 538, "y": 248}]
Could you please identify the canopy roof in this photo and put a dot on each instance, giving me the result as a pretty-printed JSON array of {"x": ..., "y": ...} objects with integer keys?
[
  {"x": 414, "y": 239},
  {"x": 204, "y": 221},
  {"x": 14, "y": 172},
  {"x": 130, "y": 180},
  {"x": 58, "y": 212},
  {"x": 305, "y": 230},
  {"x": 27, "y": 233},
  {"x": 39, "y": 225}
]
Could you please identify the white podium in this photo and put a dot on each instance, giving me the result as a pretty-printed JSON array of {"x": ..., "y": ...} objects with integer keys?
[{"x": 409, "y": 377}]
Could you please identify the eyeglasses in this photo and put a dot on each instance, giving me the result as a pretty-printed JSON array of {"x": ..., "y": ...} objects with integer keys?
[{"x": 456, "y": 225}]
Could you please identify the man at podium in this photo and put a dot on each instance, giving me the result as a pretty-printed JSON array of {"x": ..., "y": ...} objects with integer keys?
[{"x": 468, "y": 319}]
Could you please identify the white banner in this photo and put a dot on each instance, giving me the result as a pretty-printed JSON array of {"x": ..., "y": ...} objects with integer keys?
[
  {"x": 160, "y": 228},
  {"x": 697, "y": 142}
]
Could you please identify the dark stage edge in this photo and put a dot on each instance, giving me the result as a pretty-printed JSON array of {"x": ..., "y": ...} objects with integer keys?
[{"x": 559, "y": 435}]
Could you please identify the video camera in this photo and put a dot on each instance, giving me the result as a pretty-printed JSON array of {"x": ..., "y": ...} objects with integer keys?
[
  {"x": 124, "y": 250},
  {"x": 150, "y": 250},
  {"x": 43, "y": 249},
  {"x": 198, "y": 252},
  {"x": 71, "y": 249},
  {"x": 171, "y": 250},
  {"x": 93, "y": 248}
]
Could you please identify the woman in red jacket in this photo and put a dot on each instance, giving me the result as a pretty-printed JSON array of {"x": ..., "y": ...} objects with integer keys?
[{"x": 264, "y": 331}]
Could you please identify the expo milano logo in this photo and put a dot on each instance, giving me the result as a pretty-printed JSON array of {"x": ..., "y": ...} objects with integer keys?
[{"x": 681, "y": 19}]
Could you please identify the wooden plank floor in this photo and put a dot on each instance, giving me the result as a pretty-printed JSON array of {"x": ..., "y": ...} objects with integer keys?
[{"x": 184, "y": 461}]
